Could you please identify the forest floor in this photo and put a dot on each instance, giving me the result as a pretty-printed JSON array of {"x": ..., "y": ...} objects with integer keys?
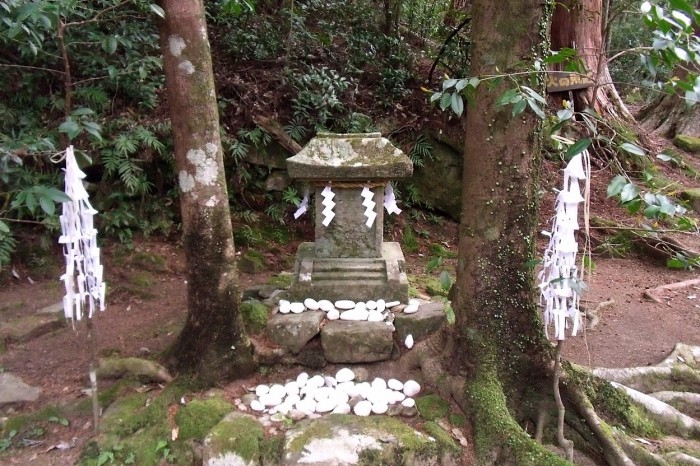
[{"x": 147, "y": 306}]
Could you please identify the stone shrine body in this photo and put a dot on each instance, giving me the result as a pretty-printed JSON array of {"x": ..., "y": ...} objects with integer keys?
[{"x": 350, "y": 175}]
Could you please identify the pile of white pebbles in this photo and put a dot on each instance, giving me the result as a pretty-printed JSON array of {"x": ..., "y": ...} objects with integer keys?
[
  {"x": 345, "y": 309},
  {"x": 313, "y": 396}
]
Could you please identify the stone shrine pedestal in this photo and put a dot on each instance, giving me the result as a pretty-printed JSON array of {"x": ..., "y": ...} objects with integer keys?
[{"x": 349, "y": 259}]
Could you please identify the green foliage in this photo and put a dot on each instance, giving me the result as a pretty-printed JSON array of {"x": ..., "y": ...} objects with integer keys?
[
  {"x": 421, "y": 151},
  {"x": 318, "y": 93},
  {"x": 652, "y": 205}
]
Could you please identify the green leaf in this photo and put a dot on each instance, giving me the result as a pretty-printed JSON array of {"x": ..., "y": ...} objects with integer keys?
[
  {"x": 448, "y": 83},
  {"x": 632, "y": 149},
  {"x": 435, "y": 96},
  {"x": 433, "y": 264},
  {"x": 47, "y": 205},
  {"x": 578, "y": 147},
  {"x": 457, "y": 104},
  {"x": 536, "y": 108},
  {"x": 634, "y": 206},
  {"x": 82, "y": 111},
  {"x": 667, "y": 158},
  {"x": 676, "y": 264},
  {"x": 534, "y": 95},
  {"x": 506, "y": 97},
  {"x": 565, "y": 114},
  {"x": 157, "y": 10},
  {"x": 461, "y": 84},
  {"x": 70, "y": 128},
  {"x": 109, "y": 44},
  {"x": 94, "y": 129},
  {"x": 629, "y": 192},
  {"x": 532, "y": 263},
  {"x": 616, "y": 185},
  {"x": 445, "y": 100},
  {"x": 4, "y": 228},
  {"x": 652, "y": 211},
  {"x": 57, "y": 195},
  {"x": 445, "y": 280},
  {"x": 519, "y": 107},
  {"x": 474, "y": 82},
  {"x": 27, "y": 10}
]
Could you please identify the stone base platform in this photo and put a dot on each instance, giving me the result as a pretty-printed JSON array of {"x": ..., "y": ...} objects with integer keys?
[{"x": 360, "y": 279}]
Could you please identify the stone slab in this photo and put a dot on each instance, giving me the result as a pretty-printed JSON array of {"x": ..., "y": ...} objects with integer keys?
[
  {"x": 14, "y": 390},
  {"x": 428, "y": 320},
  {"x": 352, "y": 342},
  {"x": 293, "y": 331}
]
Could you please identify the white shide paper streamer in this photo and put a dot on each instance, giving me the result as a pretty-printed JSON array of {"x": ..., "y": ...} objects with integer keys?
[
  {"x": 559, "y": 278},
  {"x": 83, "y": 277},
  {"x": 303, "y": 206},
  {"x": 368, "y": 195},
  {"x": 328, "y": 213},
  {"x": 390, "y": 200}
]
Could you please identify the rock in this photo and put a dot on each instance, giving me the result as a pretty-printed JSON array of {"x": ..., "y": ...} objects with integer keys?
[
  {"x": 330, "y": 381},
  {"x": 311, "y": 304},
  {"x": 353, "y": 342},
  {"x": 285, "y": 306},
  {"x": 257, "y": 405},
  {"x": 291, "y": 388},
  {"x": 380, "y": 408},
  {"x": 251, "y": 261},
  {"x": 409, "y": 411},
  {"x": 381, "y": 305},
  {"x": 688, "y": 143},
  {"x": 375, "y": 316},
  {"x": 692, "y": 195},
  {"x": 326, "y": 405},
  {"x": 355, "y": 315},
  {"x": 233, "y": 441},
  {"x": 411, "y": 388},
  {"x": 278, "y": 180},
  {"x": 344, "y": 375},
  {"x": 276, "y": 297},
  {"x": 14, "y": 390},
  {"x": 262, "y": 390},
  {"x": 371, "y": 304},
  {"x": 144, "y": 369},
  {"x": 394, "y": 384},
  {"x": 363, "y": 408},
  {"x": 293, "y": 331},
  {"x": 408, "y": 342},
  {"x": 296, "y": 415},
  {"x": 394, "y": 410},
  {"x": 255, "y": 315},
  {"x": 333, "y": 314},
  {"x": 268, "y": 400},
  {"x": 266, "y": 291},
  {"x": 391, "y": 304},
  {"x": 429, "y": 319},
  {"x": 56, "y": 308},
  {"x": 302, "y": 379},
  {"x": 350, "y": 440},
  {"x": 297, "y": 308},
  {"x": 410, "y": 309},
  {"x": 325, "y": 305},
  {"x": 342, "y": 408},
  {"x": 278, "y": 391},
  {"x": 316, "y": 381},
  {"x": 361, "y": 374},
  {"x": 378, "y": 383},
  {"x": 344, "y": 304}
]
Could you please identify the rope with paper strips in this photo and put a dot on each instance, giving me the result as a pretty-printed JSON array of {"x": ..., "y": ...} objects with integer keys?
[
  {"x": 560, "y": 278},
  {"x": 83, "y": 277}
]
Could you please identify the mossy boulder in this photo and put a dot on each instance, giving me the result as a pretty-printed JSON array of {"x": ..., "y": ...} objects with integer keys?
[
  {"x": 197, "y": 417},
  {"x": 251, "y": 262},
  {"x": 432, "y": 407},
  {"x": 693, "y": 198},
  {"x": 237, "y": 439},
  {"x": 687, "y": 143},
  {"x": 255, "y": 315},
  {"x": 349, "y": 440}
]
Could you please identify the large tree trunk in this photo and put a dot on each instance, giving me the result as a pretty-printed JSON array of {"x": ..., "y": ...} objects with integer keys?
[
  {"x": 213, "y": 344},
  {"x": 578, "y": 24},
  {"x": 669, "y": 116},
  {"x": 500, "y": 344}
]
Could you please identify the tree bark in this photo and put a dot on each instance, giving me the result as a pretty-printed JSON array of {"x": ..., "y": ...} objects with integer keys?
[
  {"x": 213, "y": 344},
  {"x": 500, "y": 345}
]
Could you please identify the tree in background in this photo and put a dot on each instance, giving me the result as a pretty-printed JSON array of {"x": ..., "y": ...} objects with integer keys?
[{"x": 213, "y": 343}]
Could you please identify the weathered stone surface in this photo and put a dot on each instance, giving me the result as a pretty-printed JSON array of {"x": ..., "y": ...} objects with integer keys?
[
  {"x": 293, "y": 331},
  {"x": 272, "y": 155},
  {"x": 56, "y": 308},
  {"x": 688, "y": 143},
  {"x": 428, "y": 320},
  {"x": 366, "y": 156},
  {"x": 31, "y": 326},
  {"x": 340, "y": 439},
  {"x": 14, "y": 390},
  {"x": 277, "y": 181},
  {"x": 439, "y": 183},
  {"x": 350, "y": 342},
  {"x": 235, "y": 441},
  {"x": 693, "y": 197}
]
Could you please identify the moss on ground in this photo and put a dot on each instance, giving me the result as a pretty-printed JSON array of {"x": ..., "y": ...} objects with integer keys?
[
  {"x": 432, "y": 407},
  {"x": 197, "y": 417},
  {"x": 281, "y": 280},
  {"x": 252, "y": 262},
  {"x": 255, "y": 315},
  {"x": 239, "y": 434},
  {"x": 689, "y": 143}
]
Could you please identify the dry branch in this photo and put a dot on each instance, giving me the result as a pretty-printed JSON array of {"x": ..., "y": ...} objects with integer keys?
[
  {"x": 273, "y": 127},
  {"x": 652, "y": 293}
]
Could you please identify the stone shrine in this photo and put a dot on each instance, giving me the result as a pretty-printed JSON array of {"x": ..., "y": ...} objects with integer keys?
[{"x": 350, "y": 175}]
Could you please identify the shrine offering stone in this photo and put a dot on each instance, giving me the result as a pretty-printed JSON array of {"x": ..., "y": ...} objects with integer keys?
[
  {"x": 351, "y": 341},
  {"x": 293, "y": 331},
  {"x": 428, "y": 320}
]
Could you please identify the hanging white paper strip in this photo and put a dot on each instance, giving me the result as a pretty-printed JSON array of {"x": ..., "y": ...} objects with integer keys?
[
  {"x": 559, "y": 278},
  {"x": 303, "y": 206},
  {"x": 328, "y": 213},
  {"x": 390, "y": 200},
  {"x": 368, "y": 202},
  {"x": 85, "y": 290}
]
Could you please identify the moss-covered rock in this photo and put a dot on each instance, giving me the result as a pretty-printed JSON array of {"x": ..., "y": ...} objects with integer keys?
[
  {"x": 688, "y": 143},
  {"x": 197, "y": 417},
  {"x": 432, "y": 407},
  {"x": 251, "y": 262},
  {"x": 693, "y": 198},
  {"x": 255, "y": 315},
  {"x": 235, "y": 440}
]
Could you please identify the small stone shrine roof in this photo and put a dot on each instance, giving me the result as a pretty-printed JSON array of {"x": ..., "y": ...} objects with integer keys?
[{"x": 361, "y": 157}]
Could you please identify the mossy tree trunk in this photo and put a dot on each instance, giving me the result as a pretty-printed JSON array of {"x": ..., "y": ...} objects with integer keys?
[
  {"x": 213, "y": 344},
  {"x": 499, "y": 340}
]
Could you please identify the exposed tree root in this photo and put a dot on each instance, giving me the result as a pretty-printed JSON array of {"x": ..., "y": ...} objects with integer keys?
[
  {"x": 682, "y": 459},
  {"x": 593, "y": 315},
  {"x": 653, "y": 293},
  {"x": 112, "y": 368},
  {"x": 273, "y": 127},
  {"x": 650, "y": 379},
  {"x": 685, "y": 402}
]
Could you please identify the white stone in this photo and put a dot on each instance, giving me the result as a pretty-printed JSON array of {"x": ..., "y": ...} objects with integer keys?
[
  {"x": 410, "y": 309},
  {"x": 397, "y": 396},
  {"x": 355, "y": 315},
  {"x": 411, "y": 388},
  {"x": 409, "y": 341},
  {"x": 340, "y": 397},
  {"x": 326, "y": 405},
  {"x": 375, "y": 316},
  {"x": 284, "y": 408},
  {"x": 342, "y": 408},
  {"x": 363, "y": 389},
  {"x": 302, "y": 379},
  {"x": 394, "y": 384},
  {"x": 333, "y": 314},
  {"x": 285, "y": 306},
  {"x": 379, "y": 408},
  {"x": 371, "y": 304},
  {"x": 381, "y": 305},
  {"x": 360, "y": 306},
  {"x": 408, "y": 402},
  {"x": 378, "y": 383},
  {"x": 292, "y": 399},
  {"x": 316, "y": 381},
  {"x": 256, "y": 405},
  {"x": 323, "y": 393},
  {"x": 363, "y": 408},
  {"x": 344, "y": 375},
  {"x": 391, "y": 304},
  {"x": 344, "y": 304},
  {"x": 306, "y": 406},
  {"x": 270, "y": 400},
  {"x": 311, "y": 304},
  {"x": 325, "y": 305},
  {"x": 414, "y": 301},
  {"x": 278, "y": 391},
  {"x": 297, "y": 308},
  {"x": 262, "y": 390},
  {"x": 291, "y": 388},
  {"x": 329, "y": 381},
  {"x": 348, "y": 387}
]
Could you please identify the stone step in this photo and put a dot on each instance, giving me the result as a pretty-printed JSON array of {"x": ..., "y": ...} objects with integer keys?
[
  {"x": 338, "y": 265},
  {"x": 356, "y": 276}
]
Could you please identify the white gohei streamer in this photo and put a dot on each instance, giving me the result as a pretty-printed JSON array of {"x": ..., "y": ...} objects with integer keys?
[
  {"x": 368, "y": 195},
  {"x": 390, "y": 200},
  {"x": 559, "y": 279},
  {"x": 328, "y": 213},
  {"x": 85, "y": 290},
  {"x": 303, "y": 206}
]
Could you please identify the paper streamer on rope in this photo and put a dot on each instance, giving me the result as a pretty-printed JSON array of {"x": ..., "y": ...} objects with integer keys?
[
  {"x": 303, "y": 206},
  {"x": 390, "y": 200},
  {"x": 85, "y": 290},
  {"x": 559, "y": 279},
  {"x": 368, "y": 195},
  {"x": 328, "y": 213}
]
